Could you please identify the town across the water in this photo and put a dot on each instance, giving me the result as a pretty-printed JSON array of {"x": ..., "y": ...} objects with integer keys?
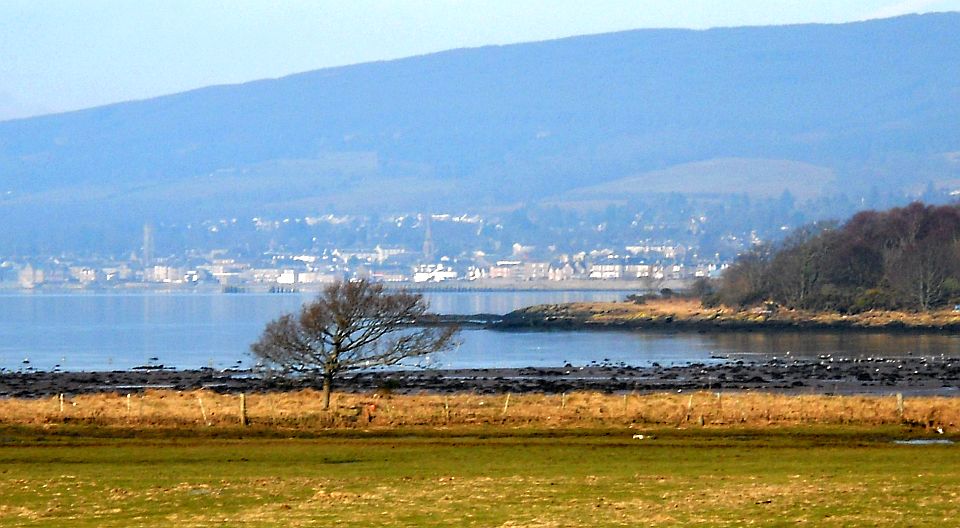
[
  {"x": 650, "y": 267},
  {"x": 598, "y": 269},
  {"x": 423, "y": 250}
]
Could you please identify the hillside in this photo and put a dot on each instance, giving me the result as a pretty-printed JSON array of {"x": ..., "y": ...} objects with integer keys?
[
  {"x": 759, "y": 177},
  {"x": 871, "y": 104}
]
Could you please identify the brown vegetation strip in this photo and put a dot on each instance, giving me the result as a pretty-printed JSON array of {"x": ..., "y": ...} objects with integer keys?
[
  {"x": 691, "y": 314},
  {"x": 302, "y": 410}
]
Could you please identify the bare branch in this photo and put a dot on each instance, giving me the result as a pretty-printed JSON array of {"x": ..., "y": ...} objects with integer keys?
[{"x": 350, "y": 326}]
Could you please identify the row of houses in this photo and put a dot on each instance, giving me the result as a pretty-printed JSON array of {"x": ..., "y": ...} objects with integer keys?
[
  {"x": 518, "y": 271},
  {"x": 28, "y": 276},
  {"x": 504, "y": 270},
  {"x": 297, "y": 272}
]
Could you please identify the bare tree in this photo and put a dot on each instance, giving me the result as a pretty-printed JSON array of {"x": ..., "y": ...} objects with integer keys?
[
  {"x": 350, "y": 326},
  {"x": 797, "y": 267},
  {"x": 919, "y": 272},
  {"x": 746, "y": 281},
  {"x": 924, "y": 255}
]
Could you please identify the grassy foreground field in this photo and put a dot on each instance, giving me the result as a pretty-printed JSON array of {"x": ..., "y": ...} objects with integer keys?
[{"x": 490, "y": 476}]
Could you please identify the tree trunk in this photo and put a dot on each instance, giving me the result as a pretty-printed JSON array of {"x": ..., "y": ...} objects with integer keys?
[{"x": 327, "y": 384}]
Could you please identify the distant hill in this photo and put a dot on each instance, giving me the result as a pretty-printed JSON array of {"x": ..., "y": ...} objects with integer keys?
[
  {"x": 867, "y": 104},
  {"x": 758, "y": 177}
]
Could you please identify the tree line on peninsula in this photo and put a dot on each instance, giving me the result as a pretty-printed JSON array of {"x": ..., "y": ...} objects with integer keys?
[{"x": 906, "y": 258}]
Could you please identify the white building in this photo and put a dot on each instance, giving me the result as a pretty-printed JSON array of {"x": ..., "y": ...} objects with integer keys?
[
  {"x": 505, "y": 269},
  {"x": 315, "y": 277},
  {"x": 287, "y": 276},
  {"x": 83, "y": 274},
  {"x": 560, "y": 273},
  {"x": 606, "y": 271},
  {"x": 433, "y": 273},
  {"x": 30, "y": 277},
  {"x": 166, "y": 274},
  {"x": 638, "y": 271}
]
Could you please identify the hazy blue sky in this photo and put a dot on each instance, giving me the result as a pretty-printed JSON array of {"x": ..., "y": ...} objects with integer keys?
[{"x": 58, "y": 55}]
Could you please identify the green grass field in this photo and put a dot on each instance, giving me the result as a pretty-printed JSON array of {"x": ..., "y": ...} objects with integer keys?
[{"x": 490, "y": 477}]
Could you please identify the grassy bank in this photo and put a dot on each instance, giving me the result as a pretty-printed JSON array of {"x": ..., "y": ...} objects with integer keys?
[
  {"x": 686, "y": 313},
  {"x": 302, "y": 410},
  {"x": 823, "y": 476}
]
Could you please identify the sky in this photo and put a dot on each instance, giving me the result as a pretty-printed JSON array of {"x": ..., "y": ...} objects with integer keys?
[{"x": 60, "y": 55}]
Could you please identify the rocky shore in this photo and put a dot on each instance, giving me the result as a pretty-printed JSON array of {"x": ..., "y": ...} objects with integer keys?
[
  {"x": 827, "y": 375},
  {"x": 932, "y": 375}
]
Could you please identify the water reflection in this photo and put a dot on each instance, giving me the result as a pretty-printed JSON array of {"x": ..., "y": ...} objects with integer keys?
[
  {"x": 120, "y": 331},
  {"x": 505, "y": 302},
  {"x": 812, "y": 345}
]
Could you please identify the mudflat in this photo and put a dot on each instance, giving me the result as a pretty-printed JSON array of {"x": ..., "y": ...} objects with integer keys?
[{"x": 911, "y": 376}]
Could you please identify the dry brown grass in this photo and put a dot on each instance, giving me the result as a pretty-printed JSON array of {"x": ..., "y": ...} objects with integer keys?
[
  {"x": 679, "y": 306},
  {"x": 302, "y": 410},
  {"x": 628, "y": 312},
  {"x": 680, "y": 309}
]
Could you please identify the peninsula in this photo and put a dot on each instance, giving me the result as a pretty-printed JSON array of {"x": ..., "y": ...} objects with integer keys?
[{"x": 692, "y": 315}]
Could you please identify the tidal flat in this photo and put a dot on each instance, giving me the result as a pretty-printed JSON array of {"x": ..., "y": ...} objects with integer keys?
[{"x": 912, "y": 375}]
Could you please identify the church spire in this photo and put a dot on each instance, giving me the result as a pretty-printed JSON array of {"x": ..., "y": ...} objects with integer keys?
[{"x": 429, "y": 250}]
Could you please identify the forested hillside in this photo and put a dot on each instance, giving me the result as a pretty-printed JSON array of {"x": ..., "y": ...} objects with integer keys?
[{"x": 904, "y": 258}]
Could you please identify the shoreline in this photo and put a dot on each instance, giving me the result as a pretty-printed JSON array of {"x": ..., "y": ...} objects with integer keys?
[
  {"x": 684, "y": 315},
  {"x": 913, "y": 376}
]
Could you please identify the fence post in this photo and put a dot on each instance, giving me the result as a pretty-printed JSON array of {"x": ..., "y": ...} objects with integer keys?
[
  {"x": 243, "y": 409},
  {"x": 506, "y": 404},
  {"x": 203, "y": 412},
  {"x": 900, "y": 405},
  {"x": 61, "y": 403}
]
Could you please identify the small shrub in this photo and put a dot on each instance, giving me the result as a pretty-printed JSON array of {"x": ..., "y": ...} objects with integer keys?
[
  {"x": 638, "y": 298},
  {"x": 872, "y": 299}
]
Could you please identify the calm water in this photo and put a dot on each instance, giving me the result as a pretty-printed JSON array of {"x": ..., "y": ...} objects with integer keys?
[{"x": 82, "y": 331}]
